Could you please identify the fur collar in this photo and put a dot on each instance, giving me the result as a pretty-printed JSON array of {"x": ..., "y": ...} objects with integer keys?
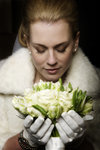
[{"x": 17, "y": 73}]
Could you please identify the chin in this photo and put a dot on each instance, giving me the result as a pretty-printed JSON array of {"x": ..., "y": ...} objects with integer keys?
[{"x": 53, "y": 78}]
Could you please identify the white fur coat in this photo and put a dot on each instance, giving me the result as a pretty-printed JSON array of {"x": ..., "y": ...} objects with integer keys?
[{"x": 17, "y": 73}]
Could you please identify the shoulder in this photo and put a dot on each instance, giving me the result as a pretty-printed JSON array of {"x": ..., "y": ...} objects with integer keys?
[
  {"x": 83, "y": 74},
  {"x": 16, "y": 57},
  {"x": 16, "y": 72}
]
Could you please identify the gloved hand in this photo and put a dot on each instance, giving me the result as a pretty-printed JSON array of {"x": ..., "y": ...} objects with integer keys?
[
  {"x": 71, "y": 125},
  {"x": 38, "y": 131}
]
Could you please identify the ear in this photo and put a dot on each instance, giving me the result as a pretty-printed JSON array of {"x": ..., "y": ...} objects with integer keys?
[{"x": 76, "y": 41}]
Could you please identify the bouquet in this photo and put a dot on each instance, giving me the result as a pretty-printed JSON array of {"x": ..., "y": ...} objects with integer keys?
[{"x": 48, "y": 99}]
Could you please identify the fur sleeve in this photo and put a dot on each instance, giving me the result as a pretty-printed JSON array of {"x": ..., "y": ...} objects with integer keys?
[{"x": 10, "y": 124}]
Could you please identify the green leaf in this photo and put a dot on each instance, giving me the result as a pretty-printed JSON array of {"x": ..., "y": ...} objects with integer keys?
[
  {"x": 88, "y": 107},
  {"x": 70, "y": 87},
  {"x": 41, "y": 109},
  {"x": 55, "y": 133},
  {"x": 61, "y": 84},
  {"x": 74, "y": 99},
  {"x": 78, "y": 100}
]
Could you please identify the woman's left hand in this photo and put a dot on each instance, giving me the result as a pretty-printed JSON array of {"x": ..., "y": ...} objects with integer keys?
[{"x": 70, "y": 126}]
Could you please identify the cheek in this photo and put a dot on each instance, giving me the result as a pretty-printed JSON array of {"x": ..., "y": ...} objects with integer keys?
[
  {"x": 66, "y": 59},
  {"x": 37, "y": 59}
]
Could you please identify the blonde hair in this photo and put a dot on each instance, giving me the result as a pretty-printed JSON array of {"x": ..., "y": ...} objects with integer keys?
[{"x": 49, "y": 11}]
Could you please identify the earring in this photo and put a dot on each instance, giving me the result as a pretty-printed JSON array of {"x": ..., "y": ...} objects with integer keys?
[{"x": 75, "y": 49}]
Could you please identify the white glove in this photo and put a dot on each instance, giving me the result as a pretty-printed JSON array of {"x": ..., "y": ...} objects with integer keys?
[
  {"x": 71, "y": 126},
  {"x": 37, "y": 132}
]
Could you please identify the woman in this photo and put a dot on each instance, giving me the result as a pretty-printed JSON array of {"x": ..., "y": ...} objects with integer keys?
[{"x": 49, "y": 36}]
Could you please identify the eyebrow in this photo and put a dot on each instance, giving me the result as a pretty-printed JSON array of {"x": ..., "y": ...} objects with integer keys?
[{"x": 55, "y": 46}]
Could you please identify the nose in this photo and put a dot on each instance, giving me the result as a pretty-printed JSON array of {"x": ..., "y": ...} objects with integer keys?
[{"x": 51, "y": 58}]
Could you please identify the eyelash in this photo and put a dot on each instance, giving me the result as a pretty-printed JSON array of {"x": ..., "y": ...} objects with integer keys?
[
  {"x": 60, "y": 51},
  {"x": 38, "y": 51}
]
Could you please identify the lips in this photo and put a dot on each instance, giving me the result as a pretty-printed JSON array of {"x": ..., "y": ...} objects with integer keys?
[{"x": 52, "y": 71}]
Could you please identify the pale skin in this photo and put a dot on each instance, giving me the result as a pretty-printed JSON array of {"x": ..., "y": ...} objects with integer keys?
[{"x": 52, "y": 48}]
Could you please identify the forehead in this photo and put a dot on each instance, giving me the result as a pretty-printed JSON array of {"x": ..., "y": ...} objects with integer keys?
[{"x": 43, "y": 32}]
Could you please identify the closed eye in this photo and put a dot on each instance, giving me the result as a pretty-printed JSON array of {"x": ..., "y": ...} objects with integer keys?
[
  {"x": 62, "y": 48},
  {"x": 40, "y": 50},
  {"x": 59, "y": 47}
]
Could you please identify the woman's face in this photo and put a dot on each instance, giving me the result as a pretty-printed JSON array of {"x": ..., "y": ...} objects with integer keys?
[{"x": 52, "y": 48}]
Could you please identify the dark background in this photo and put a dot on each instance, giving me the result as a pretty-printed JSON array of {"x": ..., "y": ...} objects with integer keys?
[{"x": 10, "y": 17}]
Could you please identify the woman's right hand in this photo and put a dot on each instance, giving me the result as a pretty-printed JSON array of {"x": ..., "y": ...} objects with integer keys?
[
  {"x": 38, "y": 131},
  {"x": 72, "y": 126}
]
